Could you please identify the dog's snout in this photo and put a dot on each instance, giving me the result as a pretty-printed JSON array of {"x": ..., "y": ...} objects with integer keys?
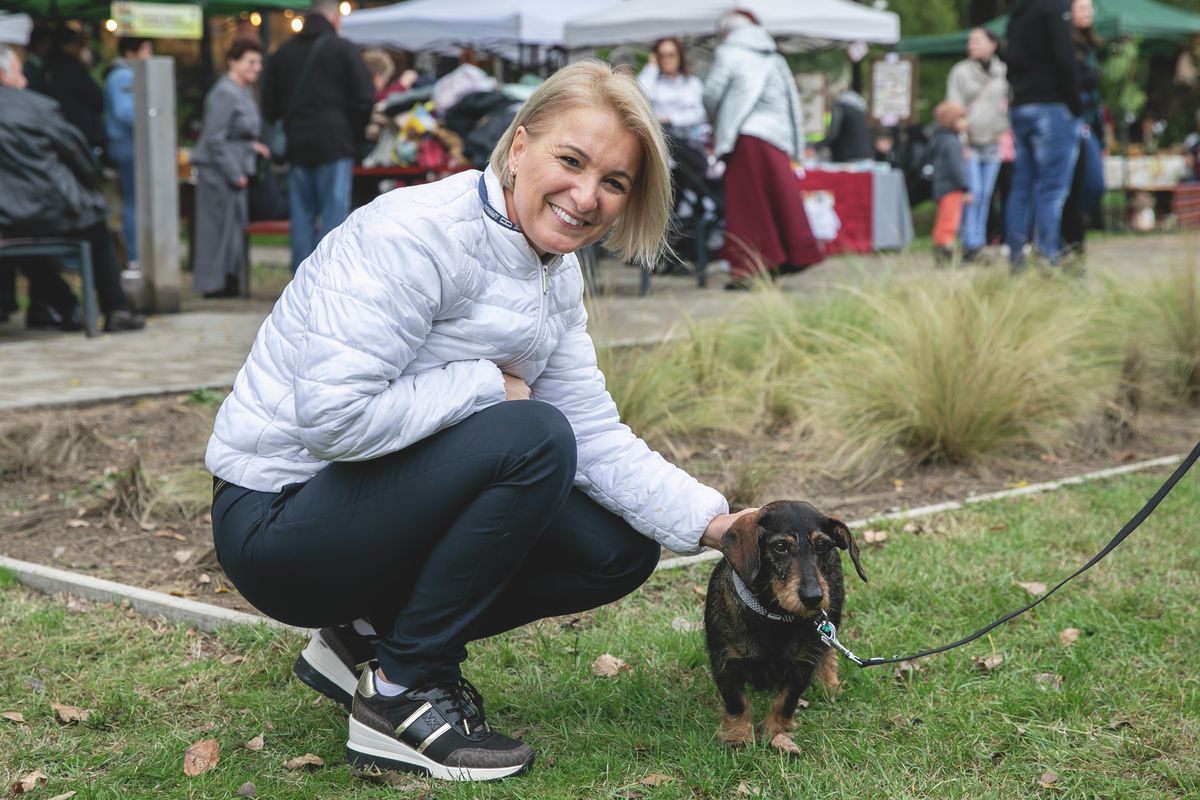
[{"x": 811, "y": 594}]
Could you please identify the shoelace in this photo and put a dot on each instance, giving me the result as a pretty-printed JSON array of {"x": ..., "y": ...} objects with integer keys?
[{"x": 463, "y": 702}]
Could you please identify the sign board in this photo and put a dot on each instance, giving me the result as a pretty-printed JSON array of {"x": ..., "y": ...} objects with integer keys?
[
  {"x": 158, "y": 20},
  {"x": 893, "y": 89}
]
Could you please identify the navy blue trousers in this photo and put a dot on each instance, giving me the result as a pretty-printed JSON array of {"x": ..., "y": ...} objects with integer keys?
[{"x": 473, "y": 531}]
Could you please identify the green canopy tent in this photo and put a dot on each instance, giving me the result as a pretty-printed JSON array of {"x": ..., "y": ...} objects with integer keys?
[
  {"x": 1114, "y": 19},
  {"x": 100, "y": 9}
]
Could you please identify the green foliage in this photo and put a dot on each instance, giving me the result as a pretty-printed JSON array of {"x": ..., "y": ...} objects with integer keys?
[
  {"x": 1120, "y": 86},
  {"x": 205, "y": 397},
  {"x": 8, "y": 578}
]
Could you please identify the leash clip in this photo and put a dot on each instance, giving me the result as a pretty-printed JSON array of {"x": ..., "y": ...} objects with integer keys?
[{"x": 828, "y": 633}]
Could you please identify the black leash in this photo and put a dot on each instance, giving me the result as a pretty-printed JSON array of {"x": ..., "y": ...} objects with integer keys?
[{"x": 828, "y": 632}]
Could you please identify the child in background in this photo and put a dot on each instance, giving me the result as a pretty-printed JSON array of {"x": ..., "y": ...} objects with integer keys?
[{"x": 949, "y": 177}]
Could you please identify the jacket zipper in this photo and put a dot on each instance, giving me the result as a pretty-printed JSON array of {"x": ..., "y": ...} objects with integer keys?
[{"x": 545, "y": 279}]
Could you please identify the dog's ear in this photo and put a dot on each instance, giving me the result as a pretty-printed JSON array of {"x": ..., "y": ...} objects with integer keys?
[
  {"x": 845, "y": 540},
  {"x": 740, "y": 546}
]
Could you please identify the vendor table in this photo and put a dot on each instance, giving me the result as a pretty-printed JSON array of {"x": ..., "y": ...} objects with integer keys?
[{"x": 871, "y": 205}]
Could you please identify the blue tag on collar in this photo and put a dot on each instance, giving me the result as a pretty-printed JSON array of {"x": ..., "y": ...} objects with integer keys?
[{"x": 494, "y": 215}]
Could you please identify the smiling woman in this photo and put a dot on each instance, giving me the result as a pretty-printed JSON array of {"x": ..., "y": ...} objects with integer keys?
[{"x": 420, "y": 451}]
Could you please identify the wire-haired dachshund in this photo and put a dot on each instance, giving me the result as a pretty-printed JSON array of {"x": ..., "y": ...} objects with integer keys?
[{"x": 762, "y": 631}]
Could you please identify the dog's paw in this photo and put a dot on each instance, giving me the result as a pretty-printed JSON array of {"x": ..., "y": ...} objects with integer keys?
[
  {"x": 784, "y": 744},
  {"x": 736, "y": 732}
]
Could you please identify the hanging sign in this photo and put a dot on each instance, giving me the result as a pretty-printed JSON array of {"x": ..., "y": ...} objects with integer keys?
[{"x": 157, "y": 20}]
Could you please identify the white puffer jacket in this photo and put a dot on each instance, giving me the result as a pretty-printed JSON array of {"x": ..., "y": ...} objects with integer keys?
[{"x": 401, "y": 323}]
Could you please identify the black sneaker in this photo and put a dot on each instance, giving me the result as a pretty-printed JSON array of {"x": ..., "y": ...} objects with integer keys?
[
  {"x": 332, "y": 661},
  {"x": 438, "y": 729}
]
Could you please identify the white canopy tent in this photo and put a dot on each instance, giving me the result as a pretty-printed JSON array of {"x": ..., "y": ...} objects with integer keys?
[
  {"x": 14, "y": 28},
  {"x": 494, "y": 25},
  {"x": 816, "y": 23}
]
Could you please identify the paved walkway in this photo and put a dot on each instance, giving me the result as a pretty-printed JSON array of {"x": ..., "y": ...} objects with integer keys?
[{"x": 206, "y": 344}]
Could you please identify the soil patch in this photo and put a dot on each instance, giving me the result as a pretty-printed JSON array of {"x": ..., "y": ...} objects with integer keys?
[{"x": 118, "y": 490}]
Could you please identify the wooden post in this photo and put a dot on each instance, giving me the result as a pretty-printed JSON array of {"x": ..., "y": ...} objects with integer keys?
[{"x": 156, "y": 179}]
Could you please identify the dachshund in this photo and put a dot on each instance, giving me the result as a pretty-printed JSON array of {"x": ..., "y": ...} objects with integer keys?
[{"x": 779, "y": 573}]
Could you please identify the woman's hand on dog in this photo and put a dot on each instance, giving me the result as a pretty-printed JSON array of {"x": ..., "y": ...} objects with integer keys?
[
  {"x": 718, "y": 525},
  {"x": 515, "y": 388}
]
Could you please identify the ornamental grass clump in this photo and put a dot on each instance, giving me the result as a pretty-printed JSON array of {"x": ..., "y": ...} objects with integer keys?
[
  {"x": 1162, "y": 319},
  {"x": 955, "y": 368}
]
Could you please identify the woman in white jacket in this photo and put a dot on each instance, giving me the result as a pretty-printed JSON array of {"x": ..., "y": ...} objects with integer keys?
[{"x": 421, "y": 439}]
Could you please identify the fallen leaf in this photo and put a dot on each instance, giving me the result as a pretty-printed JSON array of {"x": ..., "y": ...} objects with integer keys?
[
  {"x": 999, "y": 526},
  {"x": 1118, "y": 724},
  {"x": 1035, "y": 588},
  {"x": 699, "y": 590},
  {"x": 746, "y": 790},
  {"x": 208, "y": 727},
  {"x": 63, "y": 796},
  {"x": 70, "y": 714},
  {"x": 147, "y": 526},
  {"x": 42, "y": 498},
  {"x": 655, "y": 779},
  {"x": 905, "y": 669},
  {"x": 255, "y": 744},
  {"x": 77, "y": 605},
  {"x": 204, "y": 579},
  {"x": 200, "y": 757},
  {"x": 1068, "y": 636},
  {"x": 183, "y": 556},
  {"x": 988, "y": 663},
  {"x": 30, "y": 782},
  {"x": 784, "y": 743},
  {"x": 1048, "y": 779},
  {"x": 78, "y": 523},
  {"x": 230, "y": 660},
  {"x": 1125, "y": 458},
  {"x": 1046, "y": 458},
  {"x": 14, "y": 716},
  {"x": 306, "y": 760},
  {"x": 801, "y": 703},
  {"x": 180, "y": 593},
  {"x": 1049, "y": 680},
  {"x": 874, "y": 537},
  {"x": 898, "y": 484},
  {"x": 165, "y": 534},
  {"x": 608, "y": 666},
  {"x": 1021, "y": 484},
  {"x": 685, "y": 625},
  {"x": 400, "y": 781},
  {"x": 247, "y": 790},
  {"x": 913, "y": 527}
]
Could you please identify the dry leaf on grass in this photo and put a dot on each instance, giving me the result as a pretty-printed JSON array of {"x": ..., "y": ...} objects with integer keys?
[
  {"x": 165, "y": 534},
  {"x": 14, "y": 716},
  {"x": 685, "y": 625},
  {"x": 208, "y": 727},
  {"x": 746, "y": 790},
  {"x": 874, "y": 536},
  {"x": 1118, "y": 724},
  {"x": 999, "y": 526},
  {"x": 64, "y": 796},
  {"x": 200, "y": 757},
  {"x": 1049, "y": 680},
  {"x": 784, "y": 743},
  {"x": 30, "y": 782},
  {"x": 988, "y": 663},
  {"x": 655, "y": 779},
  {"x": 255, "y": 744},
  {"x": 1048, "y": 779},
  {"x": 231, "y": 659},
  {"x": 306, "y": 760},
  {"x": 913, "y": 527},
  {"x": 905, "y": 669},
  {"x": 183, "y": 556},
  {"x": 247, "y": 789},
  {"x": 609, "y": 666},
  {"x": 78, "y": 523},
  {"x": 1035, "y": 588},
  {"x": 70, "y": 714},
  {"x": 1068, "y": 636},
  {"x": 77, "y": 605}
]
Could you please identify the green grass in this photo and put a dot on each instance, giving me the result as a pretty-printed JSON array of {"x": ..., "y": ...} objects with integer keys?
[{"x": 1124, "y": 724}]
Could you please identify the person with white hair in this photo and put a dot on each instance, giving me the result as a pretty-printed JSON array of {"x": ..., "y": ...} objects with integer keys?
[
  {"x": 752, "y": 96},
  {"x": 50, "y": 182}
]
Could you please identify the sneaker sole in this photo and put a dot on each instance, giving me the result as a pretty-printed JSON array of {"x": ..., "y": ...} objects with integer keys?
[
  {"x": 370, "y": 748},
  {"x": 319, "y": 668}
]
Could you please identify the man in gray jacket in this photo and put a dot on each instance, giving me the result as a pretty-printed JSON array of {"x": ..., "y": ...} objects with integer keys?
[{"x": 50, "y": 185}]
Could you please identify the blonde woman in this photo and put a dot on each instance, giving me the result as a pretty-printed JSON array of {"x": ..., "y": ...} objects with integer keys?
[{"x": 421, "y": 441}]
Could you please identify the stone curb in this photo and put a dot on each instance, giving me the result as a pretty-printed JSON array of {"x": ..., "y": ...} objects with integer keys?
[{"x": 208, "y": 617}]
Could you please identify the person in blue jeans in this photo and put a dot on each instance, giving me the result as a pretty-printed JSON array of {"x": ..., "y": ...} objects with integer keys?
[
  {"x": 1045, "y": 122},
  {"x": 118, "y": 126},
  {"x": 325, "y": 107}
]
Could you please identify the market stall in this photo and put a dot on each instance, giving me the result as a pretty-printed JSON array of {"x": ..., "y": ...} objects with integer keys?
[{"x": 871, "y": 205}]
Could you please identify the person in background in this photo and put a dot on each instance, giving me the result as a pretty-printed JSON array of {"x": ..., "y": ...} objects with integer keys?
[
  {"x": 949, "y": 177},
  {"x": 36, "y": 53},
  {"x": 751, "y": 95},
  {"x": 79, "y": 96},
  {"x": 49, "y": 182},
  {"x": 848, "y": 137},
  {"x": 326, "y": 127},
  {"x": 978, "y": 84},
  {"x": 225, "y": 161},
  {"x": 1045, "y": 121},
  {"x": 421, "y": 435},
  {"x": 676, "y": 95},
  {"x": 1087, "y": 183},
  {"x": 118, "y": 126},
  {"x": 381, "y": 67}
]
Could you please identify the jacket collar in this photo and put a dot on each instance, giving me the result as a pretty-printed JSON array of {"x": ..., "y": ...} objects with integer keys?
[{"x": 509, "y": 243}]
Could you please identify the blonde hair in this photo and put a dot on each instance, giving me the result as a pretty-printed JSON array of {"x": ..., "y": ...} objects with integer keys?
[
  {"x": 640, "y": 234},
  {"x": 948, "y": 113},
  {"x": 379, "y": 63}
]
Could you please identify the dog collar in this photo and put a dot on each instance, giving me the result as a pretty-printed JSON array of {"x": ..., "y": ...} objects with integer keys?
[{"x": 752, "y": 602}]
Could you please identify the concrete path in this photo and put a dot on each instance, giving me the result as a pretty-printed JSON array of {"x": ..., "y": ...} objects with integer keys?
[{"x": 205, "y": 345}]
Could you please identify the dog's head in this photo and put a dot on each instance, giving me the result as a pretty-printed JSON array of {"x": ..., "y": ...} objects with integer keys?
[{"x": 788, "y": 548}]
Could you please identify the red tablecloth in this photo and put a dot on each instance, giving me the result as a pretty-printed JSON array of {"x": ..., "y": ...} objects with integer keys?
[{"x": 852, "y": 197}]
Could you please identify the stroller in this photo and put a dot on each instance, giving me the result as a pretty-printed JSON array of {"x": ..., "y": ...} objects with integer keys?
[{"x": 697, "y": 203}]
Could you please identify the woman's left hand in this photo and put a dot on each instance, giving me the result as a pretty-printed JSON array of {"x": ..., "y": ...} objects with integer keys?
[
  {"x": 262, "y": 150},
  {"x": 719, "y": 525}
]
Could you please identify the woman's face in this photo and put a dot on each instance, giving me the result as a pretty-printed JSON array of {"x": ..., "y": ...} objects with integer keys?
[
  {"x": 980, "y": 46},
  {"x": 246, "y": 69},
  {"x": 572, "y": 179},
  {"x": 668, "y": 58},
  {"x": 1082, "y": 13}
]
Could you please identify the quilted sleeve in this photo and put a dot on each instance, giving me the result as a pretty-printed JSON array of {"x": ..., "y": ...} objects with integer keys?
[{"x": 616, "y": 468}]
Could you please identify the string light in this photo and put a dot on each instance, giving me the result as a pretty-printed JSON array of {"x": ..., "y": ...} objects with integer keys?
[
  {"x": 345, "y": 7},
  {"x": 110, "y": 25},
  {"x": 297, "y": 24},
  {"x": 255, "y": 19}
]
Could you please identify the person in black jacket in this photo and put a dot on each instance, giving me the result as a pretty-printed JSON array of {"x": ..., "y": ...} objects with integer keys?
[
  {"x": 70, "y": 83},
  {"x": 325, "y": 120},
  {"x": 50, "y": 184},
  {"x": 1045, "y": 112}
]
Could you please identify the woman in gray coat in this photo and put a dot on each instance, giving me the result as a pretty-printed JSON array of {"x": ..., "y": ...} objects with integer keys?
[{"x": 225, "y": 162}]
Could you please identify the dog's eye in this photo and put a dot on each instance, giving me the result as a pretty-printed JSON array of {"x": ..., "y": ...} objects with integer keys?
[
  {"x": 823, "y": 544},
  {"x": 780, "y": 546}
]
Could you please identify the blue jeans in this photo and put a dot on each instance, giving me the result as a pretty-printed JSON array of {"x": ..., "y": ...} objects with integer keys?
[
  {"x": 316, "y": 191},
  {"x": 981, "y": 179},
  {"x": 128, "y": 207},
  {"x": 1047, "y": 144}
]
